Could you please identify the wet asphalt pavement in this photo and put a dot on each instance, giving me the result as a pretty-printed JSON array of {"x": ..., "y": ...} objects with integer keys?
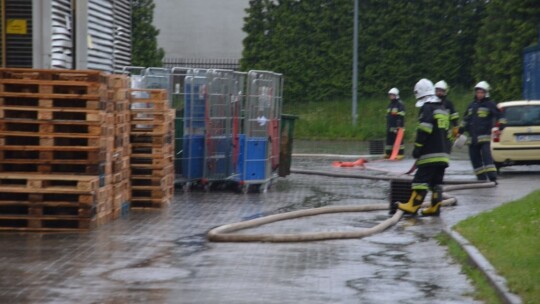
[{"x": 163, "y": 256}]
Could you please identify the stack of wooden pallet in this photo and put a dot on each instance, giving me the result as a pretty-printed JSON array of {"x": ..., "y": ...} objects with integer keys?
[
  {"x": 118, "y": 96},
  {"x": 57, "y": 141},
  {"x": 152, "y": 149}
]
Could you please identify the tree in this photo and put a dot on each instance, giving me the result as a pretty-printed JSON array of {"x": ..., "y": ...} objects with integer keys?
[
  {"x": 509, "y": 27},
  {"x": 404, "y": 41},
  {"x": 145, "y": 50},
  {"x": 310, "y": 42}
]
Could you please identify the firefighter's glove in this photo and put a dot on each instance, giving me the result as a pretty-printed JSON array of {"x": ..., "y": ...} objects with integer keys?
[
  {"x": 416, "y": 153},
  {"x": 455, "y": 132}
]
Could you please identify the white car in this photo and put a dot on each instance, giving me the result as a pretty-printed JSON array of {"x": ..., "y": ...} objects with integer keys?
[{"x": 519, "y": 142}]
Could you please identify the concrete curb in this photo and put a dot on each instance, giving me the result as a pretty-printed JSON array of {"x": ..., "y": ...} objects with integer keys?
[{"x": 480, "y": 262}]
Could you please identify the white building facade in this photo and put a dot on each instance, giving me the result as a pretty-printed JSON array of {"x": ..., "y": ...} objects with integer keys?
[{"x": 201, "y": 29}]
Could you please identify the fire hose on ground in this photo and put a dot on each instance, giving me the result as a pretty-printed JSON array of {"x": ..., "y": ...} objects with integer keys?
[{"x": 226, "y": 233}]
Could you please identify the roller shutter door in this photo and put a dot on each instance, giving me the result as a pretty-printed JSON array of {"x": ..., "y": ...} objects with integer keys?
[
  {"x": 101, "y": 35},
  {"x": 62, "y": 35},
  {"x": 18, "y": 46},
  {"x": 122, "y": 38}
]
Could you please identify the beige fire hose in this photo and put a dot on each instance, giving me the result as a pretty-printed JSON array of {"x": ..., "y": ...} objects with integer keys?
[
  {"x": 405, "y": 178},
  {"x": 224, "y": 233}
]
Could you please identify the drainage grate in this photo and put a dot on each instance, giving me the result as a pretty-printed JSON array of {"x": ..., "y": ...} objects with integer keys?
[
  {"x": 400, "y": 191},
  {"x": 376, "y": 147}
]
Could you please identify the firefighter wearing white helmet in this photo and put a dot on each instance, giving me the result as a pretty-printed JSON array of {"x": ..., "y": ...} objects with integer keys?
[
  {"x": 441, "y": 90},
  {"x": 395, "y": 119},
  {"x": 478, "y": 121},
  {"x": 430, "y": 150},
  {"x": 483, "y": 85}
]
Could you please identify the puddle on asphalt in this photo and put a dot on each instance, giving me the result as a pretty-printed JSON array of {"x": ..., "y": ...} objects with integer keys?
[
  {"x": 392, "y": 239},
  {"x": 148, "y": 275},
  {"x": 192, "y": 244},
  {"x": 388, "y": 259}
]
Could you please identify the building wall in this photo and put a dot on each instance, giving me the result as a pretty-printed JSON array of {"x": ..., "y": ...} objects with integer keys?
[
  {"x": 65, "y": 34},
  {"x": 200, "y": 28}
]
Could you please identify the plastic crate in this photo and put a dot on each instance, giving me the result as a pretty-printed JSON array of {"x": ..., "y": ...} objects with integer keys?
[
  {"x": 193, "y": 156},
  {"x": 257, "y": 148},
  {"x": 256, "y": 161}
]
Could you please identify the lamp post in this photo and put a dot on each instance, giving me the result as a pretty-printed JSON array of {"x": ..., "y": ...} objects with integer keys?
[{"x": 355, "y": 67}]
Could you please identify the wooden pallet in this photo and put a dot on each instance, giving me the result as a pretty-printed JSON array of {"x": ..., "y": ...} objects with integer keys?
[
  {"x": 55, "y": 140},
  {"x": 47, "y": 127},
  {"x": 76, "y": 103},
  {"x": 151, "y": 181},
  {"x": 55, "y": 167},
  {"x": 143, "y": 105},
  {"x": 121, "y": 106},
  {"x": 148, "y": 94},
  {"x": 58, "y": 157},
  {"x": 57, "y": 87},
  {"x": 152, "y": 149},
  {"x": 117, "y": 81},
  {"x": 150, "y": 170},
  {"x": 118, "y": 177},
  {"x": 122, "y": 118},
  {"x": 48, "y": 114},
  {"x": 151, "y": 129},
  {"x": 22, "y": 208},
  {"x": 121, "y": 163},
  {"x": 61, "y": 75},
  {"x": 151, "y": 139},
  {"x": 152, "y": 115},
  {"x": 51, "y": 182},
  {"x": 145, "y": 203},
  {"x": 119, "y": 94},
  {"x": 151, "y": 163}
]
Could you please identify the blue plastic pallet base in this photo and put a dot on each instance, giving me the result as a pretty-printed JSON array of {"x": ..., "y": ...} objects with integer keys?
[
  {"x": 255, "y": 163},
  {"x": 193, "y": 157},
  {"x": 219, "y": 167}
]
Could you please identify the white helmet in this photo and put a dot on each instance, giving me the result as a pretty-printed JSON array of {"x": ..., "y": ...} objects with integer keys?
[
  {"x": 442, "y": 85},
  {"x": 423, "y": 88},
  {"x": 394, "y": 91},
  {"x": 483, "y": 85}
]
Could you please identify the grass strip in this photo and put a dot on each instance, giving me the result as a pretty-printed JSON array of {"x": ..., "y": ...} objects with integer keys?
[
  {"x": 483, "y": 289},
  {"x": 509, "y": 237},
  {"x": 332, "y": 120}
]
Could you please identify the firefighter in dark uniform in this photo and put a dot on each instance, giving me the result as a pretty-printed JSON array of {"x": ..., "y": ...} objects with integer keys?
[
  {"x": 441, "y": 90},
  {"x": 480, "y": 117},
  {"x": 395, "y": 119},
  {"x": 430, "y": 150}
]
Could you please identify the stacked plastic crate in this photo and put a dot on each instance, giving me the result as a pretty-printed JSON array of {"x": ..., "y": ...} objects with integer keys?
[
  {"x": 152, "y": 148},
  {"x": 193, "y": 141},
  {"x": 118, "y": 92},
  {"x": 56, "y": 143},
  {"x": 260, "y": 140}
]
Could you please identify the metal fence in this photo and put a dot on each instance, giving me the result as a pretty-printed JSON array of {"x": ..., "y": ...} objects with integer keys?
[{"x": 203, "y": 63}]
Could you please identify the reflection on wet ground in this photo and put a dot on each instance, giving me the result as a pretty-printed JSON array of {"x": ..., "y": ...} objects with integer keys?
[{"x": 163, "y": 256}]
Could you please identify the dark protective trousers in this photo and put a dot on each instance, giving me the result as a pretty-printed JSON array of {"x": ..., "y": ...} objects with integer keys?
[
  {"x": 482, "y": 161},
  {"x": 390, "y": 139},
  {"x": 427, "y": 177}
]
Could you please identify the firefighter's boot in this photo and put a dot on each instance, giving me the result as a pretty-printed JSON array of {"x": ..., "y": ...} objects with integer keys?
[
  {"x": 414, "y": 203},
  {"x": 436, "y": 201}
]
